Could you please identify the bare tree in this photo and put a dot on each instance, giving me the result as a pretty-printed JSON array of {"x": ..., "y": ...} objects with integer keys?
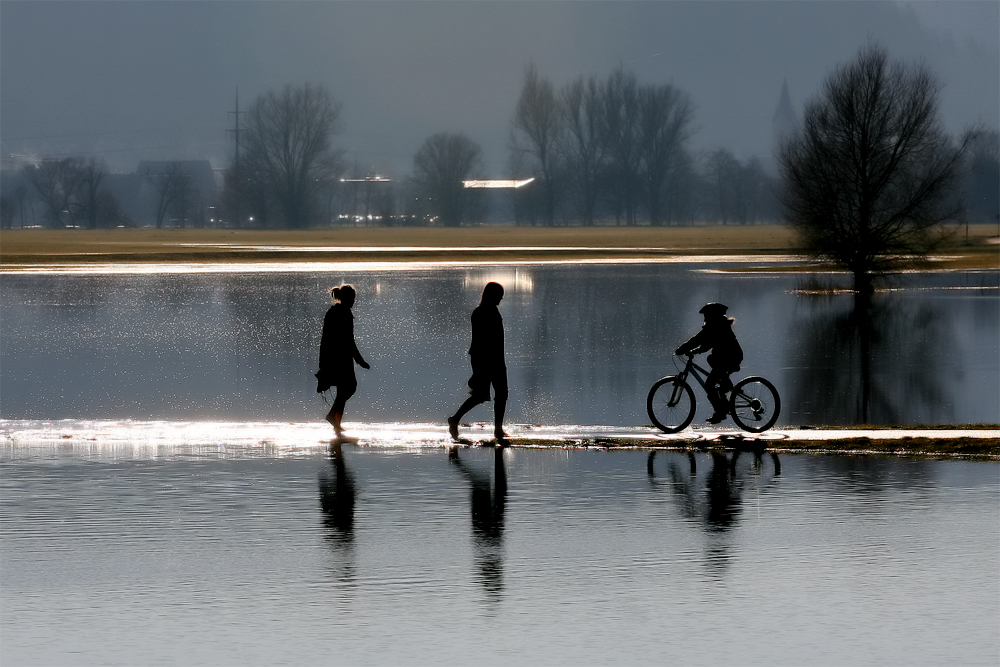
[
  {"x": 583, "y": 143},
  {"x": 7, "y": 212},
  {"x": 109, "y": 211},
  {"x": 621, "y": 118},
  {"x": 55, "y": 182},
  {"x": 982, "y": 181},
  {"x": 439, "y": 168},
  {"x": 88, "y": 183},
  {"x": 535, "y": 131},
  {"x": 172, "y": 185},
  {"x": 287, "y": 138},
  {"x": 742, "y": 192},
  {"x": 721, "y": 170},
  {"x": 22, "y": 197},
  {"x": 664, "y": 125},
  {"x": 870, "y": 175}
]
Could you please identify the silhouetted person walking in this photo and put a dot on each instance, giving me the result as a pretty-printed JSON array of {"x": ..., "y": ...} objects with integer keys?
[
  {"x": 716, "y": 336},
  {"x": 338, "y": 352},
  {"x": 488, "y": 366}
]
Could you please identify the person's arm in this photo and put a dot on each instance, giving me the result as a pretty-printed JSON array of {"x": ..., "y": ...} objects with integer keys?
[
  {"x": 361, "y": 360},
  {"x": 693, "y": 345},
  {"x": 354, "y": 349}
]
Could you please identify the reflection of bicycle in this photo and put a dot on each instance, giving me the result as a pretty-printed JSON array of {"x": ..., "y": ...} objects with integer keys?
[{"x": 753, "y": 403}]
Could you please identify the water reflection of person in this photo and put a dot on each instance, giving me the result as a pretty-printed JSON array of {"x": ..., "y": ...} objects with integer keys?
[
  {"x": 338, "y": 352},
  {"x": 719, "y": 502},
  {"x": 487, "y": 519},
  {"x": 337, "y": 497},
  {"x": 488, "y": 365},
  {"x": 716, "y": 336}
]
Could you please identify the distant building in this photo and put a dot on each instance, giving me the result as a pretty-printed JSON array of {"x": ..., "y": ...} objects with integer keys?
[
  {"x": 502, "y": 199},
  {"x": 785, "y": 122}
]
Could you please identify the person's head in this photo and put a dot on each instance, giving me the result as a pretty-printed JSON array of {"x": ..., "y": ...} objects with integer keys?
[
  {"x": 714, "y": 311},
  {"x": 492, "y": 294},
  {"x": 343, "y": 294}
]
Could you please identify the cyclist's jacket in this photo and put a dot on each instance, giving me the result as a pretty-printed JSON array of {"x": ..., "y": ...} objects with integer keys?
[{"x": 717, "y": 337}]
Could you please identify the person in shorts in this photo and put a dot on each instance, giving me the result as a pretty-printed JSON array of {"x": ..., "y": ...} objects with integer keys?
[{"x": 488, "y": 366}]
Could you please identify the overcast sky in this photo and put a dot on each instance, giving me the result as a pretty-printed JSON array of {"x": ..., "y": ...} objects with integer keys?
[{"x": 154, "y": 80}]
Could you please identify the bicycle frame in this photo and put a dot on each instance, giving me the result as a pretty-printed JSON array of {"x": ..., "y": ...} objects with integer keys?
[{"x": 700, "y": 374}]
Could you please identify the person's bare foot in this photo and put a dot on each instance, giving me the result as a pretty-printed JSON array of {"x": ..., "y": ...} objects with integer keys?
[
  {"x": 453, "y": 428},
  {"x": 501, "y": 437}
]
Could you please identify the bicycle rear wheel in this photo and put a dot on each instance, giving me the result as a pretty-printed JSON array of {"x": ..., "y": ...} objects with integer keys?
[
  {"x": 670, "y": 404},
  {"x": 755, "y": 404}
]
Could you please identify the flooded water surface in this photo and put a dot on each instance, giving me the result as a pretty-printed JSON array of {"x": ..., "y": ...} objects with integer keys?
[
  {"x": 584, "y": 344},
  {"x": 145, "y": 522},
  {"x": 402, "y": 556}
]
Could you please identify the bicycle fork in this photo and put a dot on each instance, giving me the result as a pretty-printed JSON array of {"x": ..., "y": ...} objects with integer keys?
[{"x": 678, "y": 390}]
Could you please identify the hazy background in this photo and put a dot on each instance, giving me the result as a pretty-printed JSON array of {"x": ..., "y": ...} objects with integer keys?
[{"x": 126, "y": 81}]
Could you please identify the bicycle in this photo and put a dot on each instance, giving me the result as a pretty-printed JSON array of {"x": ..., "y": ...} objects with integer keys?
[{"x": 753, "y": 402}]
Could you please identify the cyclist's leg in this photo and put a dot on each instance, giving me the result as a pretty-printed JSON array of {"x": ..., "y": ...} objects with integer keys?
[{"x": 714, "y": 383}]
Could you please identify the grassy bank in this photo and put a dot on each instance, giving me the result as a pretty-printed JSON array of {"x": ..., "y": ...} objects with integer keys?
[{"x": 34, "y": 246}]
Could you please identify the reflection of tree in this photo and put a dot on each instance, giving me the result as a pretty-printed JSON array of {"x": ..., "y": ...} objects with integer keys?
[
  {"x": 487, "y": 520},
  {"x": 336, "y": 500},
  {"x": 715, "y": 500},
  {"x": 877, "y": 363}
]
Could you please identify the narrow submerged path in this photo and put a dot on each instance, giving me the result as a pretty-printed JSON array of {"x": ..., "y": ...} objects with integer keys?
[{"x": 103, "y": 439}]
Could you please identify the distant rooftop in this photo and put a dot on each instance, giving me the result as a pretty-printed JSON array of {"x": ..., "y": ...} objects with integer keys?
[{"x": 496, "y": 183}]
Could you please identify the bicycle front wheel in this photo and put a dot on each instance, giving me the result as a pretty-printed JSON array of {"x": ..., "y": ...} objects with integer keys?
[
  {"x": 670, "y": 404},
  {"x": 755, "y": 404}
]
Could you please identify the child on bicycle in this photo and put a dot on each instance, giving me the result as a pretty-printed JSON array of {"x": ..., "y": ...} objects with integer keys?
[{"x": 717, "y": 337}]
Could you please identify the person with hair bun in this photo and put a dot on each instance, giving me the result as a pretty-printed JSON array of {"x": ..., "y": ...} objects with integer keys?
[
  {"x": 488, "y": 365},
  {"x": 338, "y": 352}
]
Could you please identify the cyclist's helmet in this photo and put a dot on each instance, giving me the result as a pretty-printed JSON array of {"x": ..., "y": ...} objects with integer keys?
[{"x": 714, "y": 309}]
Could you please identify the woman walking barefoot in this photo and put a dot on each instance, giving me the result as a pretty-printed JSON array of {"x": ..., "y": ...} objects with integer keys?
[
  {"x": 488, "y": 365},
  {"x": 338, "y": 352}
]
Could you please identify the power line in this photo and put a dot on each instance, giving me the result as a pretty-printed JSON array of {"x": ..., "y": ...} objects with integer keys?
[{"x": 236, "y": 130}]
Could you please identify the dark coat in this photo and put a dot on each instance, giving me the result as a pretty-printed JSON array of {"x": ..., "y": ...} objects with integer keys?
[
  {"x": 337, "y": 349},
  {"x": 717, "y": 337},
  {"x": 487, "y": 336}
]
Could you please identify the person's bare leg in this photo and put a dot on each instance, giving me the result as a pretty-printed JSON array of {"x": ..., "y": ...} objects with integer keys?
[
  {"x": 454, "y": 420},
  {"x": 336, "y": 413},
  {"x": 499, "y": 408}
]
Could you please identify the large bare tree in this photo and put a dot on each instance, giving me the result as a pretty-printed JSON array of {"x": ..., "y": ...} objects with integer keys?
[
  {"x": 664, "y": 120},
  {"x": 173, "y": 187},
  {"x": 287, "y": 138},
  {"x": 56, "y": 182},
  {"x": 439, "y": 168},
  {"x": 88, "y": 183},
  {"x": 583, "y": 143},
  {"x": 870, "y": 175},
  {"x": 621, "y": 118},
  {"x": 535, "y": 132}
]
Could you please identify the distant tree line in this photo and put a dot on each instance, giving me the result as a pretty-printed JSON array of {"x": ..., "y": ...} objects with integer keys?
[
  {"x": 600, "y": 151},
  {"x": 70, "y": 192}
]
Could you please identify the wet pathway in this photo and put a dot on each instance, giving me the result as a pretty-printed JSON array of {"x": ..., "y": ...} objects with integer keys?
[{"x": 155, "y": 439}]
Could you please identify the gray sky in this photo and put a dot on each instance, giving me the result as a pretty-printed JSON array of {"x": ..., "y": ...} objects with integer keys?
[{"x": 154, "y": 80}]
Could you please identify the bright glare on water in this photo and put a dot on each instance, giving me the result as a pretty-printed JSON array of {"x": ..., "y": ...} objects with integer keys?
[{"x": 483, "y": 556}]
